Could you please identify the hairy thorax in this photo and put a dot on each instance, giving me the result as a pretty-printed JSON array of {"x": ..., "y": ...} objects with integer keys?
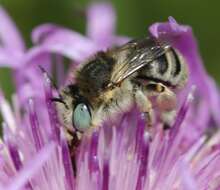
[{"x": 113, "y": 102}]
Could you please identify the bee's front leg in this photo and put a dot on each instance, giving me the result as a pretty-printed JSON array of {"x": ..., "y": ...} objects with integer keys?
[
  {"x": 73, "y": 144},
  {"x": 145, "y": 106}
]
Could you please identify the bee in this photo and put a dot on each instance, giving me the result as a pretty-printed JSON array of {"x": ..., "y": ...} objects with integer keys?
[{"x": 143, "y": 72}]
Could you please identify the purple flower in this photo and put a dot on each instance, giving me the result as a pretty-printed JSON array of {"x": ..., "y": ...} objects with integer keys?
[{"x": 34, "y": 153}]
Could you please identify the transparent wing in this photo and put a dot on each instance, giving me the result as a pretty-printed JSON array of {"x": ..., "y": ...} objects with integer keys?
[{"x": 140, "y": 53}]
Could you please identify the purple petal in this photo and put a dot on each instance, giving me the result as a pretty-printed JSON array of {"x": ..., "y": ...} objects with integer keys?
[
  {"x": 172, "y": 145},
  {"x": 9, "y": 35},
  {"x": 41, "y": 32},
  {"x": 28, "y": 79},
  {"x": 53, "y": 117},
  {"x": 93, "y": 159},
  {"x": 60, "y": 70},
  {"x": 35, "y": 128},
  {"x": 67, "y": 163},
  {"x": 187, "y": 179},
  {"x": 181, "y": 116},
  {"x": 7, "y": 113},
  {"x": 101, "y": 23},
  {"x": 13, "y": 150},
  {"x": 120, "y": 40},
  {"x": 209, "y": 170},
  {"x": 7, "y": 59},
  {"x": 30, "y": 169},
  {"x": 105, "y": 174},
  {"x": 143, "y": 161},
  {"x": 66, "y": 43},
  {"x": 214, "y": 99}
]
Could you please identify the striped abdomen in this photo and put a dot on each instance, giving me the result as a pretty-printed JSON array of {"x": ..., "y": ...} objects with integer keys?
[{"x": 169, "y": 69}]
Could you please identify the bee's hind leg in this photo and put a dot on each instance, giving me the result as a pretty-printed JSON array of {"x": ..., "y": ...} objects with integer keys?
[
  {"x": 145, "y": 107},
  {"x": 166, "y": 103}
]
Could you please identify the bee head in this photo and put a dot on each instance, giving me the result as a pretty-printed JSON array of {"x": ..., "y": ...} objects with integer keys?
[{"x": 74, "y": 109}]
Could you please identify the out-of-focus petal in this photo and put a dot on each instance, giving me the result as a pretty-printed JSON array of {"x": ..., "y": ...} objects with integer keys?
[
  {"x": 41, "y": 32},
  {"x": 101, "y": 23},
  {"x": 9, "y": 35},
  {"x": 7, "y": 60},
  {"x": 64, "y": 42},
  {"x": 120, "y": 40},
  {"x": 7, "y": 113},
  {"x": 28, "y": 81},
  {"x": 214, "y": 99}
]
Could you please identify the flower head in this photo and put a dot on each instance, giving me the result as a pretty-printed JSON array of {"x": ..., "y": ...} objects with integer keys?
[{"x": 34, "y": 153}]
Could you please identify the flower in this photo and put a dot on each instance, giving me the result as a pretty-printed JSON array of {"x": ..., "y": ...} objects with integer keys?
[{"x": 34, "y": 152}]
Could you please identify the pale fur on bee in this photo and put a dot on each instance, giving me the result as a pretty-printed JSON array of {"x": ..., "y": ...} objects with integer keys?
[
  {"x": 116, "y": 101},
  {"x": 113, "y": 81}
]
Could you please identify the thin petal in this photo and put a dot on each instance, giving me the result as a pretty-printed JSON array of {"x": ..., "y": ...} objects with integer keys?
[
  {"x": 67, "y": 162},
  {"x": 34, "y": 124},
  {"x": 41, "y": 32},
  {"x": 53, "y": 116},
  {"x": 120, "y": 40},
  {"x": 30, "y": 169},
  {"x": 187, "y": 179},
  {"x": 7, "y": 113},
  {"x": 9, "y": 35},
  {"x": 64, "y": 42},
  {"x": 101, "y": 23}
]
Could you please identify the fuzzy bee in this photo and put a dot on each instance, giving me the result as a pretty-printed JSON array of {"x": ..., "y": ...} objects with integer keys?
[{"x": 143, "y": 72}]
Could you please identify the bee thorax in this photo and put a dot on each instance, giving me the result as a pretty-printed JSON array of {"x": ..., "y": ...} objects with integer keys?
[
  {"x": 114, "y": 102},
  {"x": 94, "y": 76}
]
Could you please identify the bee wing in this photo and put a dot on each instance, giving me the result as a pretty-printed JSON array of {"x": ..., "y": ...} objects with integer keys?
[{"x": 141, "y": 53}]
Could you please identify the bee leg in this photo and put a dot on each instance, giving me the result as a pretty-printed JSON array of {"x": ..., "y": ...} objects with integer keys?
[
  {"x": 166, "y": 102},
  {"x": 167, "y": 118},
  {"x": 145, "y": 107},
  {"x": 73, "y": 147}
]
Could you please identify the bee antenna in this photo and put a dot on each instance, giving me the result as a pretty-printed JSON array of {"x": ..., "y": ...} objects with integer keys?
[
  {"x": 59, "y": 100},
  {"x": 49, "y": 77}
]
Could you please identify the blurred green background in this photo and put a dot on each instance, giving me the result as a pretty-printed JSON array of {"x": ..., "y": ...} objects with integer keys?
[{"x": 133, "y": 18}]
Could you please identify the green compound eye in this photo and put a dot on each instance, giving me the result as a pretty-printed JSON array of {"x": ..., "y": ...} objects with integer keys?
[{"x": 81, "y": 117}]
